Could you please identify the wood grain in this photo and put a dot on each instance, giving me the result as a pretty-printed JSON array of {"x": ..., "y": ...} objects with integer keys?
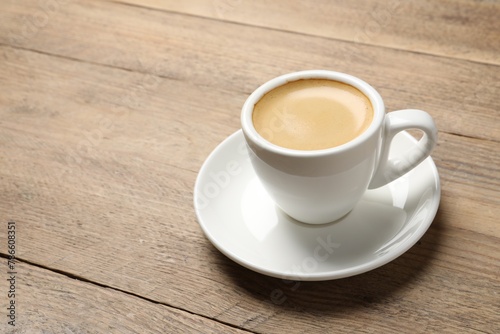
[
  {"x": 460, "y": 95},
  {"x": 49, "y": 302},
  {"x": 113, "y": 204},
  {"x": 452, "y": 28},
  {"x": 107, "y": 112}
]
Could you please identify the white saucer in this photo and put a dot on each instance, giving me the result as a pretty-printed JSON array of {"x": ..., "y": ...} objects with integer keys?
[{"x": 239, "y": 218}]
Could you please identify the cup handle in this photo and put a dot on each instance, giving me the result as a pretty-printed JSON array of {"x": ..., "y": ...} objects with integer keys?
[{"x": 395, "y": 122}]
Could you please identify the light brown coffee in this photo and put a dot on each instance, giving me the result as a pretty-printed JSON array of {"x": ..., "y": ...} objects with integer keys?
[{"x": 312, "y": 114}]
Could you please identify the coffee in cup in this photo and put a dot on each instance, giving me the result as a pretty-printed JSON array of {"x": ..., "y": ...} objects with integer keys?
[{"x": 312, "y": 114}]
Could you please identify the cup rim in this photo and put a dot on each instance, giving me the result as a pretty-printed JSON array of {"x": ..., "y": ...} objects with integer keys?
[{"x": 370, "y": 92}]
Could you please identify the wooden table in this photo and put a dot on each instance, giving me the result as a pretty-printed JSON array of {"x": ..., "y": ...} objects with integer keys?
[{"x": 109, "y": 109}]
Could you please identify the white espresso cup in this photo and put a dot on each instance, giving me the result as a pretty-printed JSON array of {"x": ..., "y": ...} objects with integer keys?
[{"x": 321, "y": 186}]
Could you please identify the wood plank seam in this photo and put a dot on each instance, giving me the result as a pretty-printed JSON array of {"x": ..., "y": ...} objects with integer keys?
[
  {"x": 83, "y": 279},
  {"x": 162, "y": 10},
  {"x": 14, "y": 47}
]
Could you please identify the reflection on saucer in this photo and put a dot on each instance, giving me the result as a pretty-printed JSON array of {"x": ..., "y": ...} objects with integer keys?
[
  {"x": 259, "y": 212},
  {"x": 418, "y": 217}
]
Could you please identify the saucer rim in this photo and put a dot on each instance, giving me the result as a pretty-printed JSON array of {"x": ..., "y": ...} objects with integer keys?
[{"x": 329, "y": 275}]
